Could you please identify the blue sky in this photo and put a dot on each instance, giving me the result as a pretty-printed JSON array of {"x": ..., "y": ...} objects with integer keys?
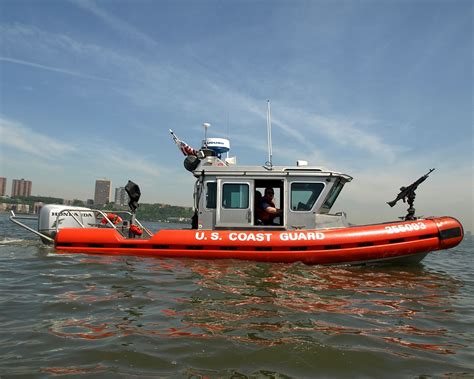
[{"x": 381, "y": 90}]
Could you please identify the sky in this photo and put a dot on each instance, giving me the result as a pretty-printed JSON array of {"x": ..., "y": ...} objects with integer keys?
[{"x": 381, "y": 90}]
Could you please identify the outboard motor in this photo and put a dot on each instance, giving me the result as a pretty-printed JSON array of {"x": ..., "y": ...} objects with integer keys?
[{"x": 53, "y": 217}]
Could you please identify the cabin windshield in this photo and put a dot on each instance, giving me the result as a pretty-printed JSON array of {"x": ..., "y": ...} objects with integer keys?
[
  {"x": 304, "y": 195},
  {"x": 333, "y": 194}
]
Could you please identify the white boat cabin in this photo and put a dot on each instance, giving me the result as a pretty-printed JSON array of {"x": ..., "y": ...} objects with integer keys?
[{"x": 227, "y": 196}]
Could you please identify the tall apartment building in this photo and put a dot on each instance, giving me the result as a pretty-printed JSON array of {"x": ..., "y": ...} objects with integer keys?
[
  {"x": 21, "y": 187},
  {"x": 102, "y": 191},
  {"x": 121, "y": 196},
  {"x": 3, "y": 186}
]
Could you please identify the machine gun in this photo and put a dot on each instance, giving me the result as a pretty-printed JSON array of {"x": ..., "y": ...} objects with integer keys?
[{"x": 407, "y": 194}]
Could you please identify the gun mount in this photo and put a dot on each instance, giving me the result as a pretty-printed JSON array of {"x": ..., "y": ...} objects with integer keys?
[{"x": 407, "y": 194}]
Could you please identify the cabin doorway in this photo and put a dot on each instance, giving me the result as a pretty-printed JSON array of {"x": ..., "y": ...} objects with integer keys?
[
  {"x": 267, "y": 191},
  {"x": 239, "y": 203}
]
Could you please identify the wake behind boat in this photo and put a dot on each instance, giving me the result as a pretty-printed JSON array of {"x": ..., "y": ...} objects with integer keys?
[{"x": 229, "y": 223}]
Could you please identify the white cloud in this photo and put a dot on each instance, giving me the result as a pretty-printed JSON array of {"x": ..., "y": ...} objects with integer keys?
[
  {"x": 147, "y": 84},
  {"x": 19, "y": 137},
  {"x": 115, "y": 23},
  {"x": 339, "y": 130},
  {"x": 67, "y": 158},
  {"x": 50, "y": 68},
  {"x": 299, "y": 127},
  {"x": 126, "y": 161}
]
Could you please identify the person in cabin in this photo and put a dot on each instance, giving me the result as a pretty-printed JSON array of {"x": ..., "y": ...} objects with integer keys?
[{"x": 267, "y": 211}]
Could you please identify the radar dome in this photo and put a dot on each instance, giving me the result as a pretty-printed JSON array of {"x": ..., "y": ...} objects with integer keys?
[{"x": 219, "y": 145}]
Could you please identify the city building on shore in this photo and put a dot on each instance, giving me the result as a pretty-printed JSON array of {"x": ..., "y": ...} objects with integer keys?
[
  {"x": 102, "y": 192},
  {"x": 121, "y": 196},
  {"x": 3, "y": 186},
  {"x": 21, "y": 187}
]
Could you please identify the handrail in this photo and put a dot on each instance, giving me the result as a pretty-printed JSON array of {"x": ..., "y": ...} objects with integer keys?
[
  {"x": 14, "y": 217},
  {"x": 104, "y": 215},
  {"x": 71, "y": 212}
]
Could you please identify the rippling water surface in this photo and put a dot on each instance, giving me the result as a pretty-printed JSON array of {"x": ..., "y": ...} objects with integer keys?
[{"x": 99, "y": 316}]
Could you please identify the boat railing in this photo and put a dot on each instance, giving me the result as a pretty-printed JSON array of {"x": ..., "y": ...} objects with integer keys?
[
  {"x": 73, "y": 213},
  {"x": 16, "y": 220},
  {"x": 102, "y": 215}
]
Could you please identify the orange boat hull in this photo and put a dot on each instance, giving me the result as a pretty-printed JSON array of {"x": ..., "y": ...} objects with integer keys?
[{"x": 406, "y": 240}]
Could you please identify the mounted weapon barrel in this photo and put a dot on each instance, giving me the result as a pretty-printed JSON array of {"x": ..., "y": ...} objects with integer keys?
[{"x": 409, "y": 191}]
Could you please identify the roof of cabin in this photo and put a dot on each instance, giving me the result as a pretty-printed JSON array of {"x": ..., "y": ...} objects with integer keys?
[{"x": 235, "y": 170}]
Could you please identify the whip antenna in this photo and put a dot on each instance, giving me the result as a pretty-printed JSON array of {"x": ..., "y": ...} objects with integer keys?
[{"x": 269, "y": 136}]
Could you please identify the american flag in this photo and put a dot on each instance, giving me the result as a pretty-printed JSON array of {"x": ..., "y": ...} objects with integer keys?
[{"x": 183, "y": 146}]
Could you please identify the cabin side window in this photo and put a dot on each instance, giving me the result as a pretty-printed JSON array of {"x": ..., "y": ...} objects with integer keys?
[
  {"x": 333, "y": 194},
  {"x": 304, "y": 195},
  {"x": 235, "y": 196},
  {"x": 211, "y": 195}
]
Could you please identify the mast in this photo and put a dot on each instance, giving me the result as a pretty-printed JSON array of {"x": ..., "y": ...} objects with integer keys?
[{"x": 269, "y": 136}]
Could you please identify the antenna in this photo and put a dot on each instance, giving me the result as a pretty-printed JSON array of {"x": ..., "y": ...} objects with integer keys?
[
  {"x": 269, "y": 136},
  {"x": 227, "y": 154},
  {"x": 206, "y": 126}
]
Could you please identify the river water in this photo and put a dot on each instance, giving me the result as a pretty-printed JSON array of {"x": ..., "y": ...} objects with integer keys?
[{"x": 90, "y": 316}]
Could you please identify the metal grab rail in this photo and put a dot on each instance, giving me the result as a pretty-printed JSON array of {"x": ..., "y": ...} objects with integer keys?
[
  {"x": 14, "y": 218},
  {"x": 73, "y": 213},
  {"x": 104, "y": 216}
]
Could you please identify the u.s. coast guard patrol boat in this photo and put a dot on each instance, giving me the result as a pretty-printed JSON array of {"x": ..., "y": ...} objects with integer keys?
[{"x": 226, "y": 223}]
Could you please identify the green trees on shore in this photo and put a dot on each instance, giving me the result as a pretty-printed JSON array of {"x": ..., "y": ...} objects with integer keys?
[
  {"x": 145, "y": 212},
  {"x": 163, "y": 212},
  {"x": 30, "y": 200}
]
